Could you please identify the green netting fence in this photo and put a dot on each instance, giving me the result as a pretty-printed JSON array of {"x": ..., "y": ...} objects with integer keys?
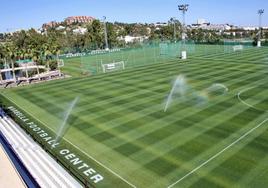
[
  {"x": 231, "y": 46},
  {"x": 152, "y": 52},
  {"x": 146, "y": 54}
]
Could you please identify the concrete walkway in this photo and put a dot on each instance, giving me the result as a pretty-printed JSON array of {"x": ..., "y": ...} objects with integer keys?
[{"x": 9, "y": 176}]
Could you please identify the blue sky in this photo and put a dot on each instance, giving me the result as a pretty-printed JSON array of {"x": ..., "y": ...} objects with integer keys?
[{"x": 18, "y": 14}]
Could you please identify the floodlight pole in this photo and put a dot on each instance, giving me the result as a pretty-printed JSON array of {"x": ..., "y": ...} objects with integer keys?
[
  {"x": 183, "y": 9},
  {"x": 105, "y": 33},
  {"x": 260, "y": 12}
]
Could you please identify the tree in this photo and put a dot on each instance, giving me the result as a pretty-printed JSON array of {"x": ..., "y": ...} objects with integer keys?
[
  {"x": 11, "y": 54},
  {"x": 96, "y": 33},
  {"x": 112, "y": 36},
  {"x": 2, "y": 56},
  {"x": 2, "y": 51},
  {"x": 167, "y": 32}
]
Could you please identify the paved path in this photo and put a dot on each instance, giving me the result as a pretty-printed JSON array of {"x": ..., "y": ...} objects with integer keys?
[{"x": 9, "y": 176}]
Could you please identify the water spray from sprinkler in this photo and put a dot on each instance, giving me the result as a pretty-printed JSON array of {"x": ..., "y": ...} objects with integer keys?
[
  {"x": 183, "y": 91},
  {"x": 217, "y": 89},
  {"x": 179, "y": 87},
  {"x": 62, "y": 129}
]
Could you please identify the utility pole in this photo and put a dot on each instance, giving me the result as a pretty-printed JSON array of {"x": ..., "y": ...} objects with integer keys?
[
  {"x": 183, "y": 9},
  {"x": 13, "y": 71},
  {"x": 105, "y": 34},
  {"x": 1, "y": 77},
  {"x": 260, "y": 12},
  {"x": 173, "y": 20}
]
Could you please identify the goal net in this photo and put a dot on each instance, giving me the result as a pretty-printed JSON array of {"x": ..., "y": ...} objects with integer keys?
[
  {"x": 60, "y": 63},
  {"x": 111, "y": 67},
  {"x": 231, "y": 46},
  {"x": 238, "y": 48}
]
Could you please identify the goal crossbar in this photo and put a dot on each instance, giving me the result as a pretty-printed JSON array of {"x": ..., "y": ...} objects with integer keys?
[{"x": 111, "y": 67}]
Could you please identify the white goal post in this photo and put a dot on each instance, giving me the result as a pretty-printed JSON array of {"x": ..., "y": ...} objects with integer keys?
[
  {"x": 60, "y": 63},
  {"x": 238, "y": 48},
  {"x": 111, "y": 67}
]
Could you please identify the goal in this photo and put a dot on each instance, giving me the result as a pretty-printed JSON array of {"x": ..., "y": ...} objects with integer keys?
[
  {"x": 60, "y": 63},
  {"x": 111, "y": 67},
  {"x": 238, "y": 48}
]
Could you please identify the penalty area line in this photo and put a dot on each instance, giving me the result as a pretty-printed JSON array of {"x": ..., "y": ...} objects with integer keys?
[
  {"x": 92, "y": 158},
  {"x": 219, "y": 153}
]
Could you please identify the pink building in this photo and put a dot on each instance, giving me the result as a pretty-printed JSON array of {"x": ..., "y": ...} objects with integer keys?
[
  {"x": 50, "y": 25},
  {"x": 79, "y": 19}
]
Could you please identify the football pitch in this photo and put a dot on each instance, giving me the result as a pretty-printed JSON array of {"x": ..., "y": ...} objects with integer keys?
[{"x": 119, "y": 125}]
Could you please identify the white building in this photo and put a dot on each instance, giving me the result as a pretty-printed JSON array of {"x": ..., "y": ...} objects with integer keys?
[
  {"x": 160, "y": 24},
  {"x": 253, "y": 28},
  {"x": 250, "y": 28},
  {"x": 80, "y": 30},
  {"x": 203, "y": 24},
  {"x": 217, "y": 27},
  {"x": 201, "y": 21},
  {"x": 60, "y": 28},
  {"x": 131, "y": 39}
]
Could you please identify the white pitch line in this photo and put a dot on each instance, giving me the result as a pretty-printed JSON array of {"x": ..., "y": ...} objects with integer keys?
[
  {"x": 219, "y": 153},
  {"x": 229, "y": 146},
  {"x": 245, "y": 103},
  {"x": 107, "y": 168}
]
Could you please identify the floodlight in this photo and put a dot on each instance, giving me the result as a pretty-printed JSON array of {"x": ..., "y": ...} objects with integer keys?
[
  {"x": 260, "y": 12},
  {"x": 183, "y": 8}
]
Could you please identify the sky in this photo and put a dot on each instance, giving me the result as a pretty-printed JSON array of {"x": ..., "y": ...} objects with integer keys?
[{"x": 24, "y": 14}]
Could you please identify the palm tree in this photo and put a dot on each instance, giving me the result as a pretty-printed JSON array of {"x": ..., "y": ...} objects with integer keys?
[
  {"x": 22, "y": 54},
  {"x": 51, "y": 51},
  {"x": 11, "y": 55},
  {"x": 47, "y": 54},
  {"x": 33, "y": 54},
  {"x": 2, "y": 56},
  {"x": 36, "y": 56}
]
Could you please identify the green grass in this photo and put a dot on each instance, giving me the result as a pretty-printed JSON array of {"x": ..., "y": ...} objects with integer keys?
[{"x": 119, "y": 120}]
